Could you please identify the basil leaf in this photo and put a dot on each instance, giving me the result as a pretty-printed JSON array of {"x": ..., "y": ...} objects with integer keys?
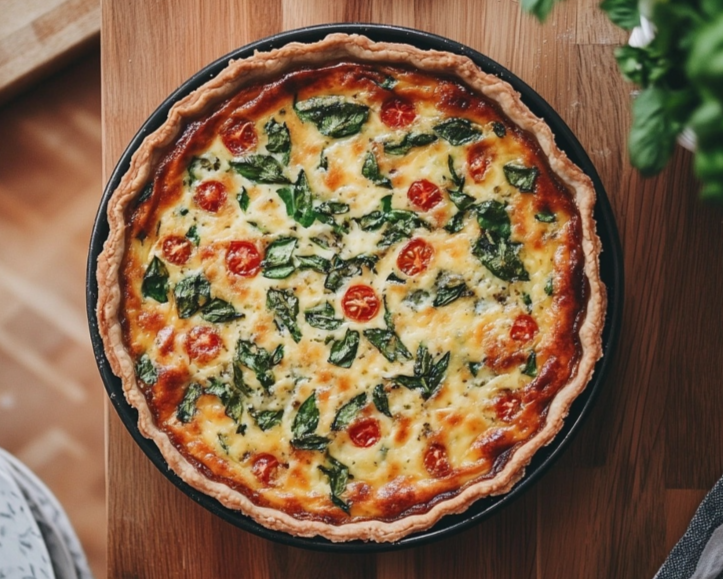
[
  {"x": 310, "y": 442},
  {"x": 372, "y": 221},
  {"x": 492, "y": 216},
  {"x": 370, "y": 170},
  {"x": 238, "y": 379},
  {"x": 499, "y": 129},
  {"x": 342, "y": 269},
  {"x": 145, "y": 370},
  {"x": 229, "y": 397},
  {"x": 456, "y": 224},
  {"x": 307, "y": 418},
  {"x": 395, "y": 279},
  {"x": 299, "y": 201},
  {"x": 280, "y": 272},
  {"x": 316, "y": 262},
  {"x": 456, "y": 179},
  {"x": 266, "y": 419},
  {"x": 258, "y": 360},
  {"x": 416, "y": 298},
  {"x": 527, "y": 300},
  {"x": 381, "y": 401},
  {"x": 428, "y": 374},
  {"x": 653, "y": 133},
  {"x": 190, "y": 294},
  {"x": 279, "y": 140},
  {"x": 333, "y": 208},
  {"x": 388, "y": 83},
  {"x": 457, "y": 131},
  {"x": 192, "y": 235},
  {"x": 344, "y": 351},
  {"x": 475, "y": 367},
  {"x": 388, "y": 343},
  {"x": 538, "y": 8},
  {"x": 280, "y": 251},
  {"x": 285, "y": 307},
  {"x": 323, "y": 161},
  {"x": 521, "y": 177},
  {"x": 322, "y": 317},
  {"x": 624, "y": 13},
  {"x": 187, "y": 407},
  {"x": 155, "y": 281},
  {"x": 338, "y": 475},
  {"x": 549, "y": 287},
  {"x": 545, "y": 217},
  {"x": 211, "y": 163},
  {"x": 218, "y": 310},
  {"x": 348, "y": 411},
  {"x": 260, "y": 169},
  {"x": 409, "y": 141},
  {"x": 145, "y": 195},
  {"x": 448, "y": 291},
  {"x": 530, "y": 368},
  {"x": 243, "y": 199},
  {"x": 501, "y": 257},
  {"x": 333, "y": 116}
]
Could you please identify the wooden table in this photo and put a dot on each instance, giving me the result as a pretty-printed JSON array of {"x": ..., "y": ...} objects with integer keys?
[{"x": 626, "y": 487}]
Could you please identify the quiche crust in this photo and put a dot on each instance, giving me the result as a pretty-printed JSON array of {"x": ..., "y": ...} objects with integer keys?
[{"x": 269, "y": 65}]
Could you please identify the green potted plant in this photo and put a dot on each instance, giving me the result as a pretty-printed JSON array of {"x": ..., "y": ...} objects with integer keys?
[{"x": 677, "y": 60}]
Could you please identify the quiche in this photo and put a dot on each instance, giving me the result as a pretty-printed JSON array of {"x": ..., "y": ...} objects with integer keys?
[{"x": 351, "y": 287}]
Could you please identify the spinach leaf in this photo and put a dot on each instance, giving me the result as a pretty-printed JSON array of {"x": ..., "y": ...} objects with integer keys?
[
  {"x": 229, "y": 396},
  {"x": 145, "y": 195},
  {"x": 266, "y": 419},
  {"x": 409, "y": 141},
  {"x": 416, "y": 298},
  {"x": 387, "y": 341},
  {"x": 492, "y": 216},
  {"x": 428, "y": 374},
  {"x": 394, "y": 278},
  {"x": 475, "y": 367},
  {"x": 238, "y": 378},
  {"x": 460, "y": 199},
  {"x": 155, "y": 281},
  {"x": 187, "y": 407},
  {"x": 501, "y": 257},
  {"x": 449, "y": 289},
  {"x": 285, "y": 307},
  {"x": 278, "y": 261},
  {"x": 145, "y": 370},
  {"x": 549, "y": 287},
  {"x": 310, "y": 442},
  {"x": 546, "y": 217},
  {"x": 316, "y": 262},
  {"x": 457, "y": 131},
  {"x": 381, "y": 401},
  {"x": 530, "y": 368},
  {"x": 243, "y": 200},
  {"x": 338, "y": 475},
  {"x": 258, "y": 360},
  {"x": 388, "y": 83},
  {"x": 192, "y": 235},
  {"x": 344, "y": 351},
  {"x": 348, "y": 411},
  {"x": 521, "y": 177},
  {"x": 209, "y": 163},
  {"x": 334, "y": 116},
  {"x": 322, "y": 317},
  {"x": 370, "y": 170},
  {"x": 499, "y": 129},
  {"x": 527, "y": 300},
  {"x": 307, "y": 418},
  {"x": 299, "y": 201},
  {"x": 279, "y": 140},
  {"x": 342, "y": 269},
  {"x": 323, "y": 160},
  {"x": 218, "y": 311},
  {"x": 260, "y": 169},
  {"x": 191, "y": 293}
]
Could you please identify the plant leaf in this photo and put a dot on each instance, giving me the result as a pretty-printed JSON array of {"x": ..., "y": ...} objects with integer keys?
[
  {"x": 307, "y": 418},
  {"x": 522, "y": 177},
  {"x": 218, "y": 311},
  {"x": 501, "y": 257},
  {"x": 624, "y": 13},
  {"x": 457, "y": 131},
  {"x": 260, "y": 169},
  {"x": 338, "y": 475},
  {"x": 266, "y": 419},
  {"x": 348, "y": 411},
  {"x": 279, "y": 140},
  {"x": 370, "y": 170},
  {"x": 381, "y": 401},
  {"x": 145, "y": 370},
  {"x": 322, "y": 317},
  {"x": 409, "y": 141},
  {"x": 334, "y": 116},
  {"x": 285, "y": 307},
  {"x": 187, "y": 407},
  {"x": 191, "y": 293},
  {"x": 344, "y": 351},
  {"x": 155, "y": 281}
]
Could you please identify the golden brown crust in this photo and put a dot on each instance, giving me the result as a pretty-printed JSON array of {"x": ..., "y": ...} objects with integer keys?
[{"x": 267, "y": 65}]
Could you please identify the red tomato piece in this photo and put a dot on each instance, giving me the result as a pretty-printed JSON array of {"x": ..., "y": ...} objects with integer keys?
[
  {"x": 435, "y": 460},
  {"x": 264, "y": 467},
  {"x": 177, "y": 249},
  {"x": 239, "y": 136},
  {"x": 507, "y": 405},
  {"x": 523, "y": 328},
  {"x": 242, "y": 258},
  {"x": 360, "y": 303},
  {"x": 210, "y": 195},
  {"x": 365, "y": 432},
  {"x": 478, "y": 161},
  {"x": 203, "y": 344},
  {"x": 424, "y": 194},
  {"x": 398, "y": 113},
  {"x": 415, "y": 256}
]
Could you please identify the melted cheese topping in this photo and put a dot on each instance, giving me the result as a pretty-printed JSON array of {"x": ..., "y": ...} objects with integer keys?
[{"x": 511, "y": 343}]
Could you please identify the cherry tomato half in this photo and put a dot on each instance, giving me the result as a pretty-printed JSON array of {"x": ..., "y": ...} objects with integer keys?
[
  {"x": 397, "y": 113},
  {"x": 523, "y": 328},
  {"x": 264, "y": 467},
  {"x": 478, "y": 161},
  {"x": 365, "y": 432},
  {"x": 435, "y": 460},
  {"x": 239, "y": 136},
  {"x": 415, "y": 256},
  {"x": 203, "y": 344},
  {"x": 242, "y": 258},
  {"x": 210, "y": 195},
  {"x": 507, "y": 405},
  {"x": 176, "y": 249},
  {"x": 360, "y": 303},
  {"x": 424, "y": 194}
]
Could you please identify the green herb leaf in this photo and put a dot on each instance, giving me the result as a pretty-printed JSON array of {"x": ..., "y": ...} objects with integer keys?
[
  {"x": 344, "y": 351},
  {"x": 191, "y": 293},
  {"x": 285, "y": 307},
  {"x": 549, "y": 287},
  {"x": 218, "y": 311},
  {"x": 307, "y": 418},
  {"x": 388, "y": 83},
  {"x": 499, "y": 129},
  {"x": 395, "y": 279},
  {"x": 145, "y": 370},
  {"x": 323, "y": 161},
  {"x": 538, "y": 8},
  {"x": 192, "y": 235},
  {"x": 334, "y": 116},
  {"x": 381, "y": 401},
  {"x": 315, "y": 262},
  {"x": 492, "y": 216},
  {"x": 310, "y": 442},
  {"x": 457, "y": 131},
  {"x": 338, "y": 475},
  {"x": 449, "y": 289},
  {"x": 408, "y": 142},
  {"x": 343, "y": 269},
  {"x": 229, "y": 396},
  {"x": 299, "y": 201},
  {"x": 530, "y": 368},
  {"x": 243, "y": 199},
  {"x": 428, "y": 374},
  {"x": 654, "y": 130},
  {"x": 417, "y": 298},
  {"x": 475, "y": 367},
  {"x": 155, "y": 281},
  {"x": 348, "y": 411},
  {"x": 258, "y": 360},
  {"x": 624, "y": 13},
  {"x": 322, "y": 317},
  {"x": 370, "y": 170},
  {"x": 145, "y": 195},
  {"x": 527, "y": 300},
  {"x": 501, "y": 257},
  {"x": 206, "y": 164},
  {"x": 260, "y": 169},
  {"x": 266, "y": 419},
  {"x": 279, "y": 140},
  {"x": 546, "y": 217},
  {"x": 280, "y": 251},
  {"x": 387, "y": 341},
  {"x": 521, "y": 177},
  {"x": 187, "y": 407}
]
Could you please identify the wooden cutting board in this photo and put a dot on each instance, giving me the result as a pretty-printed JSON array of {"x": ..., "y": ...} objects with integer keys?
[{"x": 624, "y": 490}]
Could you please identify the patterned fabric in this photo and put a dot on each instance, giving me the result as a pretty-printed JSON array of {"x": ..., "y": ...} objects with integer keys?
[
  {"x": 66, "y": 554},
  {"x": 699, "y": 553}
]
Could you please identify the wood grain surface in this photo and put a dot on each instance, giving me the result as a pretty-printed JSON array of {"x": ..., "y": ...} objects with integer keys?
[{"x": 623, "y": 492}]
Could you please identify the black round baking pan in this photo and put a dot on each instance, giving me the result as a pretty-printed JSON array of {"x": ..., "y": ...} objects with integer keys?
[{"x": 611, "y": 264}]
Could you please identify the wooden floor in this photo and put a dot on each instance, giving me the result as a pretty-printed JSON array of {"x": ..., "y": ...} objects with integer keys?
[{"x": 51, "y": 397}]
